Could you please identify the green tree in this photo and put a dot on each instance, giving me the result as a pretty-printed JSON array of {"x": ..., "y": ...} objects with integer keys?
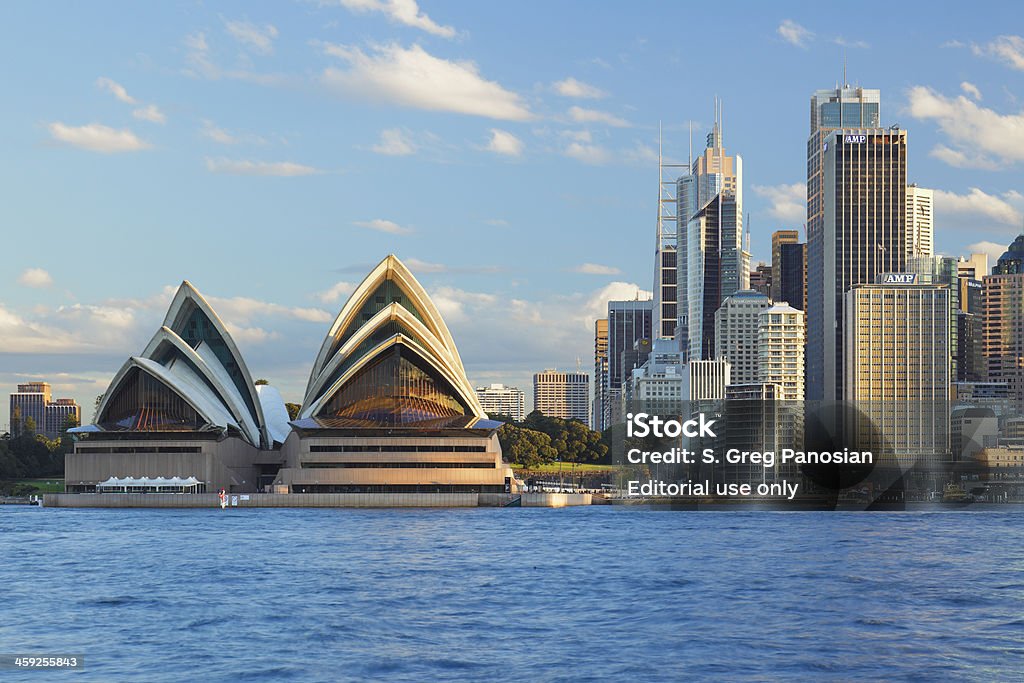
[
  {"x": 30, "y": 425},
  {"x": 262, "y": 382},
  {"x": 96, "y": 408},
  {"x": 293, "y": 410},
  {"x": 526, "y": 447}
]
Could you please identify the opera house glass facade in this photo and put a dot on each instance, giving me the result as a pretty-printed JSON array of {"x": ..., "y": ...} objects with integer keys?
[{"x": 387, "y": 410}]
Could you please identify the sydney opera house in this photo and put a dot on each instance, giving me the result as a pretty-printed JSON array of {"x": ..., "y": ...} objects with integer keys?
[{"x": 388, "y": 409}]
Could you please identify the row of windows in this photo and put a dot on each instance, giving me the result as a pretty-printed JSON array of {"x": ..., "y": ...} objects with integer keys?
[
  {"x": 138, "y": 449},
  {"x": 405, "y": 448},
  {"x": 400, "y": 465},
  {"x": 398, "y": 488}
]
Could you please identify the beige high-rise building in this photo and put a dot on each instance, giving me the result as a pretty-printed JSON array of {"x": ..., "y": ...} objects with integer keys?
[
  {"x": 562, "y": 394},
  {"x": 780, "y": 350},
  {"x": 974, "y": 268},
  {"x": 897, "y": 356},
  {"x": 920, "y": 223},
  {"x": 1003, "y": 331}
]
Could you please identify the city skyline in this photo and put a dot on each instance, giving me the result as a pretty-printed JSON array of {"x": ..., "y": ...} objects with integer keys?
[{"x": 270, "y": 156}]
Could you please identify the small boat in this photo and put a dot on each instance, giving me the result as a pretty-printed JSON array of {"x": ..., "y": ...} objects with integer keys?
[{"x": 955, "y": 495}]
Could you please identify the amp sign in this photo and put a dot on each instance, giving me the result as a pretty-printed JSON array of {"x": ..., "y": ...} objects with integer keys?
[
  {"x": 900, "y": 278},
  {"x": 855, "y": 139}
]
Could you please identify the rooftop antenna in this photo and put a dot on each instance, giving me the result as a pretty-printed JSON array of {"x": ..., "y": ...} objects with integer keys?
[
  {"x": 846, "y": 83},
  {"x": 660, "y": 166},
  {"x": 689, "y": 160}
]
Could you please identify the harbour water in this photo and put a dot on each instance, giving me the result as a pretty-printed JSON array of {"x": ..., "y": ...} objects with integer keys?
[{"x": 574, "y": 594}]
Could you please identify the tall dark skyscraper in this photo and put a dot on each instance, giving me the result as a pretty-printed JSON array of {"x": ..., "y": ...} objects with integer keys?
[
  {"x": 628, "y": 321},
  {"x": 600, "y": 373},
  {"x": 791, "y": 286},
  {"x": 856, "y": 218}
]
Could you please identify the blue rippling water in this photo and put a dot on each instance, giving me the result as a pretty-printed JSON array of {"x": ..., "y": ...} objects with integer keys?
[{"x": 580, "y": 594}]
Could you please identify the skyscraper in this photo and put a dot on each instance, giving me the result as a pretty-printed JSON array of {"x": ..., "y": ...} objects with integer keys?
[
  {"x": 856, "y": 230},
  {"x": 628, "y": 321},
  {"x": 920, "y": 221},
  {"x": 780, "y": 350},
  {"x": 502, "y": 400},
  {"x": 897, "y": 359},
  {"x": 1003, "y": 336},
  {"x": 49, "y": 417},
  {"x": 711, "y": 262},
  {"x": 780, "y": 238},
  {"x": 716, "y": 268},
  {"x": 850, "y": 108},
  {"x": 792, "y": 285},
  {"x": 562, "y": 394},
  {"x": 736, "y": 330},
  {"x": 600, "y": 373}
]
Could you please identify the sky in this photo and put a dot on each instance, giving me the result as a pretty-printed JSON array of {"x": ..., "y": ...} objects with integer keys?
[{"x": 272, "y": 153}]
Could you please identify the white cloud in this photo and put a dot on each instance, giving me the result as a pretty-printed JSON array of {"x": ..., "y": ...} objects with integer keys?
[
  {"x": 414, "y": 78},
  {"x": 218, "y": 134},
  {"x": 250, "y": 335},
  {"x": 36, "y": 278},
  {"x": 641, "y": 154},
  {"x": 150, "y": 113},
  {"x": 381, "y": 225},
  {"x": 201, "y": 64},
  {"x": 405, "y": 12},
  {"x": 971, "y": 90},
  {"x": 96, "y": 137},
  {"x": 978, "y": 206},
  {"x": 594, "y": 155},
  {"x": 596, "y": 269},
  {"x": 993, "y": 250},
  {"x": 1006, "y": 49},
  {"x": 794, "y": 34},
  {"x": 979, "y": 137},
  {"x": 418, "y": 266},
  {"x": 334, "y": 293},
  {"x": 225, "y": 137},
  {"x": 259, "y": 39},
  {"x": 841, "y": 41},
  {"x": 115, "y": 89},
  {"x": 245, "y": 311},
  {"x": 451, "y": 302},
  {"x": 788, "y": 201},
  {"x": 570, "y": 87},
  {"x": 394, "y": 142},
  {"x": 259, "y": 168},
  {"x": 581, "y": 115},
  {"x": 503, "y": 142}
]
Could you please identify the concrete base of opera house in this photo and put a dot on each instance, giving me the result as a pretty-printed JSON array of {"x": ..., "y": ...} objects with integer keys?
[{"x": 309, "y": 500}]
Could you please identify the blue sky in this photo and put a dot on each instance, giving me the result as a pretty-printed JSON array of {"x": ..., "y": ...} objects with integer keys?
[{"x": 272, "y": 153}]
